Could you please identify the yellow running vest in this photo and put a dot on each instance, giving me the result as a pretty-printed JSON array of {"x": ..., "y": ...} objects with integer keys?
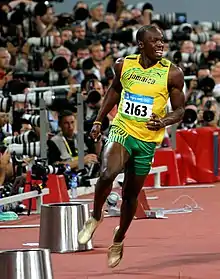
[{"x": 144, "y": 92}]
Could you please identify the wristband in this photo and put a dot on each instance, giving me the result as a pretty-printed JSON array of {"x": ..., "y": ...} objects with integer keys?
[{"x": 97, "y": 123}]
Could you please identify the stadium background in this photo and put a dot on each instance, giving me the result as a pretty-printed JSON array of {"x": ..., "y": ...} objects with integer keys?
[{"x": 201, "y": 10}]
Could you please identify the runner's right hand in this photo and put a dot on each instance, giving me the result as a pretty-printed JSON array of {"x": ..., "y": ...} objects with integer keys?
[
  {"x": 90, "y": 158},
  {"x": 95, "y": 132}
]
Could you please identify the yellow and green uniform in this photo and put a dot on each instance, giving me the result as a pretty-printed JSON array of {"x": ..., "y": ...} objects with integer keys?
[{"x": 144, "y": 92}]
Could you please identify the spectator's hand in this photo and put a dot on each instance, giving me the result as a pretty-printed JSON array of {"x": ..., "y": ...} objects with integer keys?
[
  {"x": 5, "y": 79},
  {"x": 147, "y": 15},
  {"x": 25, "y": 49},
  {"x": 8, "y": 77},
  {"x": 90, "y": 25},
  {"x": 108, "y": 62},
  {"x": 4, "y": 160},
  {"x": 193, "y": 84},
  {"x": 90, "y": 158},
  {"x": 155, "y": 123},
  {"x": 72, "y": 91},
  {"x": 12, "y": 49},
  {"x": 96, "y": 132},
  {"x": 27, "y": 160},
  {"x": 65, "y": 73}
]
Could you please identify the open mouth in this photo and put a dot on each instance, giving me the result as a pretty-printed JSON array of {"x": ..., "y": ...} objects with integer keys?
[{"x": 159, "y": 52}]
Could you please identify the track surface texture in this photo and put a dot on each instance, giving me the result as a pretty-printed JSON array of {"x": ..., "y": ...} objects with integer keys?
[{"x": 184, "y": 246}]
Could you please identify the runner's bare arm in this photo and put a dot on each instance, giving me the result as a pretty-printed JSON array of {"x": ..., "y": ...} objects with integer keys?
[
  {"x": 112, "y": 96},
  {"x": 177, "y": 98}
]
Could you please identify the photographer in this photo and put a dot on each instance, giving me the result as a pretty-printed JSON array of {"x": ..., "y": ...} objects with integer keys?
[
  {"x": 195, "y": 88},
  {"x": 62, "y": 148},
  {"x": 4, "y": 67},
  {"x": 44, "y": 23},
  {"x": 96, "y": 15},
  {"x": 99, "y": 63},
  {"x": 58, "y": 68},
  {"x": 79, "y": 31},
  {"x": 215, "y": 72},
  {"x": 66, "y": 35}
]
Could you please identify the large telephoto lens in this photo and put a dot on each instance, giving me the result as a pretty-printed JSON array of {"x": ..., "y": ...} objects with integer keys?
[{"x": 31, "y": 149}]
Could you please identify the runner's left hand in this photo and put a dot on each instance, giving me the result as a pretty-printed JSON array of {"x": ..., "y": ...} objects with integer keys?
[{"x": 155, "y": 123}]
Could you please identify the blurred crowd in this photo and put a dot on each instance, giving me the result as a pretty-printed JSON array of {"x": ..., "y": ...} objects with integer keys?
[{"x": 74, "y": 53}]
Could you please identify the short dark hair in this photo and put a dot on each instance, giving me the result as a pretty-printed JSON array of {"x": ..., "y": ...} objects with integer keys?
[
  {"x": 141, "y": 32},
  {"x": 63, "y": 114}
]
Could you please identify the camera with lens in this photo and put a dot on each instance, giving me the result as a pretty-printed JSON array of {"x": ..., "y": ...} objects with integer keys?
[
  {"x": 13, "y": 92},
  {"x": 185, "y": 32},
  {"x": 33, "y": 120},
  {"x": 31, "y": 149},
  {"x": 171, "y": 18},
  {"x": 206, "y": 85},
  {"x": 26, "y": 137},
  {"x": 176, "y": 56},
  {"x": 93, "y": 103},
  {"x": 22, "y": 11},
  {"x": 40, "y": 169},
  {"x": 189, "y": 120},
  {"x": 64, "y": 20},
  {"x": 54, "y": 100},
  {"x": 209, "y": 113},
  {"x": 52, "y": 76},
  {"x": 47, "y": 41}
]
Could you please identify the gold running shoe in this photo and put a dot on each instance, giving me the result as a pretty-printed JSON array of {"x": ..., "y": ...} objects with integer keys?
[
  {"x": 115, "y": 251},
  {"x": 88, "y": 230}
]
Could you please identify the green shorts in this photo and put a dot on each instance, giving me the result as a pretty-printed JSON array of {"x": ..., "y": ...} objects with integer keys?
[{"x": 141, "y": 152}]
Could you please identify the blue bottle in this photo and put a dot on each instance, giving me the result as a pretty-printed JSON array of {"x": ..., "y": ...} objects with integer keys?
[
  {"x": 73, "y": 185},
  {"x": 73, "y": 181},
  {"x": 1, "y": 206}
]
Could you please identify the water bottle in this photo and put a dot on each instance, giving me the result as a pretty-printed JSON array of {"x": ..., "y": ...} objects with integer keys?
[
  {"x": 1, "y": 206},
  {"x": 73, "y": 181},
  {"x": 73, "y": 185}
]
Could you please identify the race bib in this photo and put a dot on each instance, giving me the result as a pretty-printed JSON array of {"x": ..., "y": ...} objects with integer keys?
[{"x": 137, "y": 107}]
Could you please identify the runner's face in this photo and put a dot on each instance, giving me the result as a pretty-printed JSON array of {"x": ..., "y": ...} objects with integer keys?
[{"x": 153, "y": 45}]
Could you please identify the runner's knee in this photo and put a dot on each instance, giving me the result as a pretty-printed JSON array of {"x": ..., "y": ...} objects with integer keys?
[
  {"x": 108, "y": 175},
  {"x": 129, "y": 198}
]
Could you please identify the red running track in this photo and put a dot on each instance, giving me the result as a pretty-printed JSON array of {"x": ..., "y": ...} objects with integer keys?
[{"x": 183, "y": 246}]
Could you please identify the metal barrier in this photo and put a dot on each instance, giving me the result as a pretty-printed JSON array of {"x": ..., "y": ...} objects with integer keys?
[
  {"x": 26, "y": 196},
  {"x": 57, "y": 87},
  {"x": 189, "y": 77},
  {"x": 156, "y": 171}
]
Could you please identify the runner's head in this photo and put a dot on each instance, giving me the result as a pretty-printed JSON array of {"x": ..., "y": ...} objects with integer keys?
[{"x": 150, "y": 42}]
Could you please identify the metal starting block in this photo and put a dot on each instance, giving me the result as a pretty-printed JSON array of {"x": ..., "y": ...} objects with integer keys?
[
  {"x": 150, "y": 214},
  {"x": 155, "y": 213}
]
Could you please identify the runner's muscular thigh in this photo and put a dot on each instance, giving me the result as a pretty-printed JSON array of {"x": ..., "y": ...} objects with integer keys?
[{"x": 114, "y": 159}]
